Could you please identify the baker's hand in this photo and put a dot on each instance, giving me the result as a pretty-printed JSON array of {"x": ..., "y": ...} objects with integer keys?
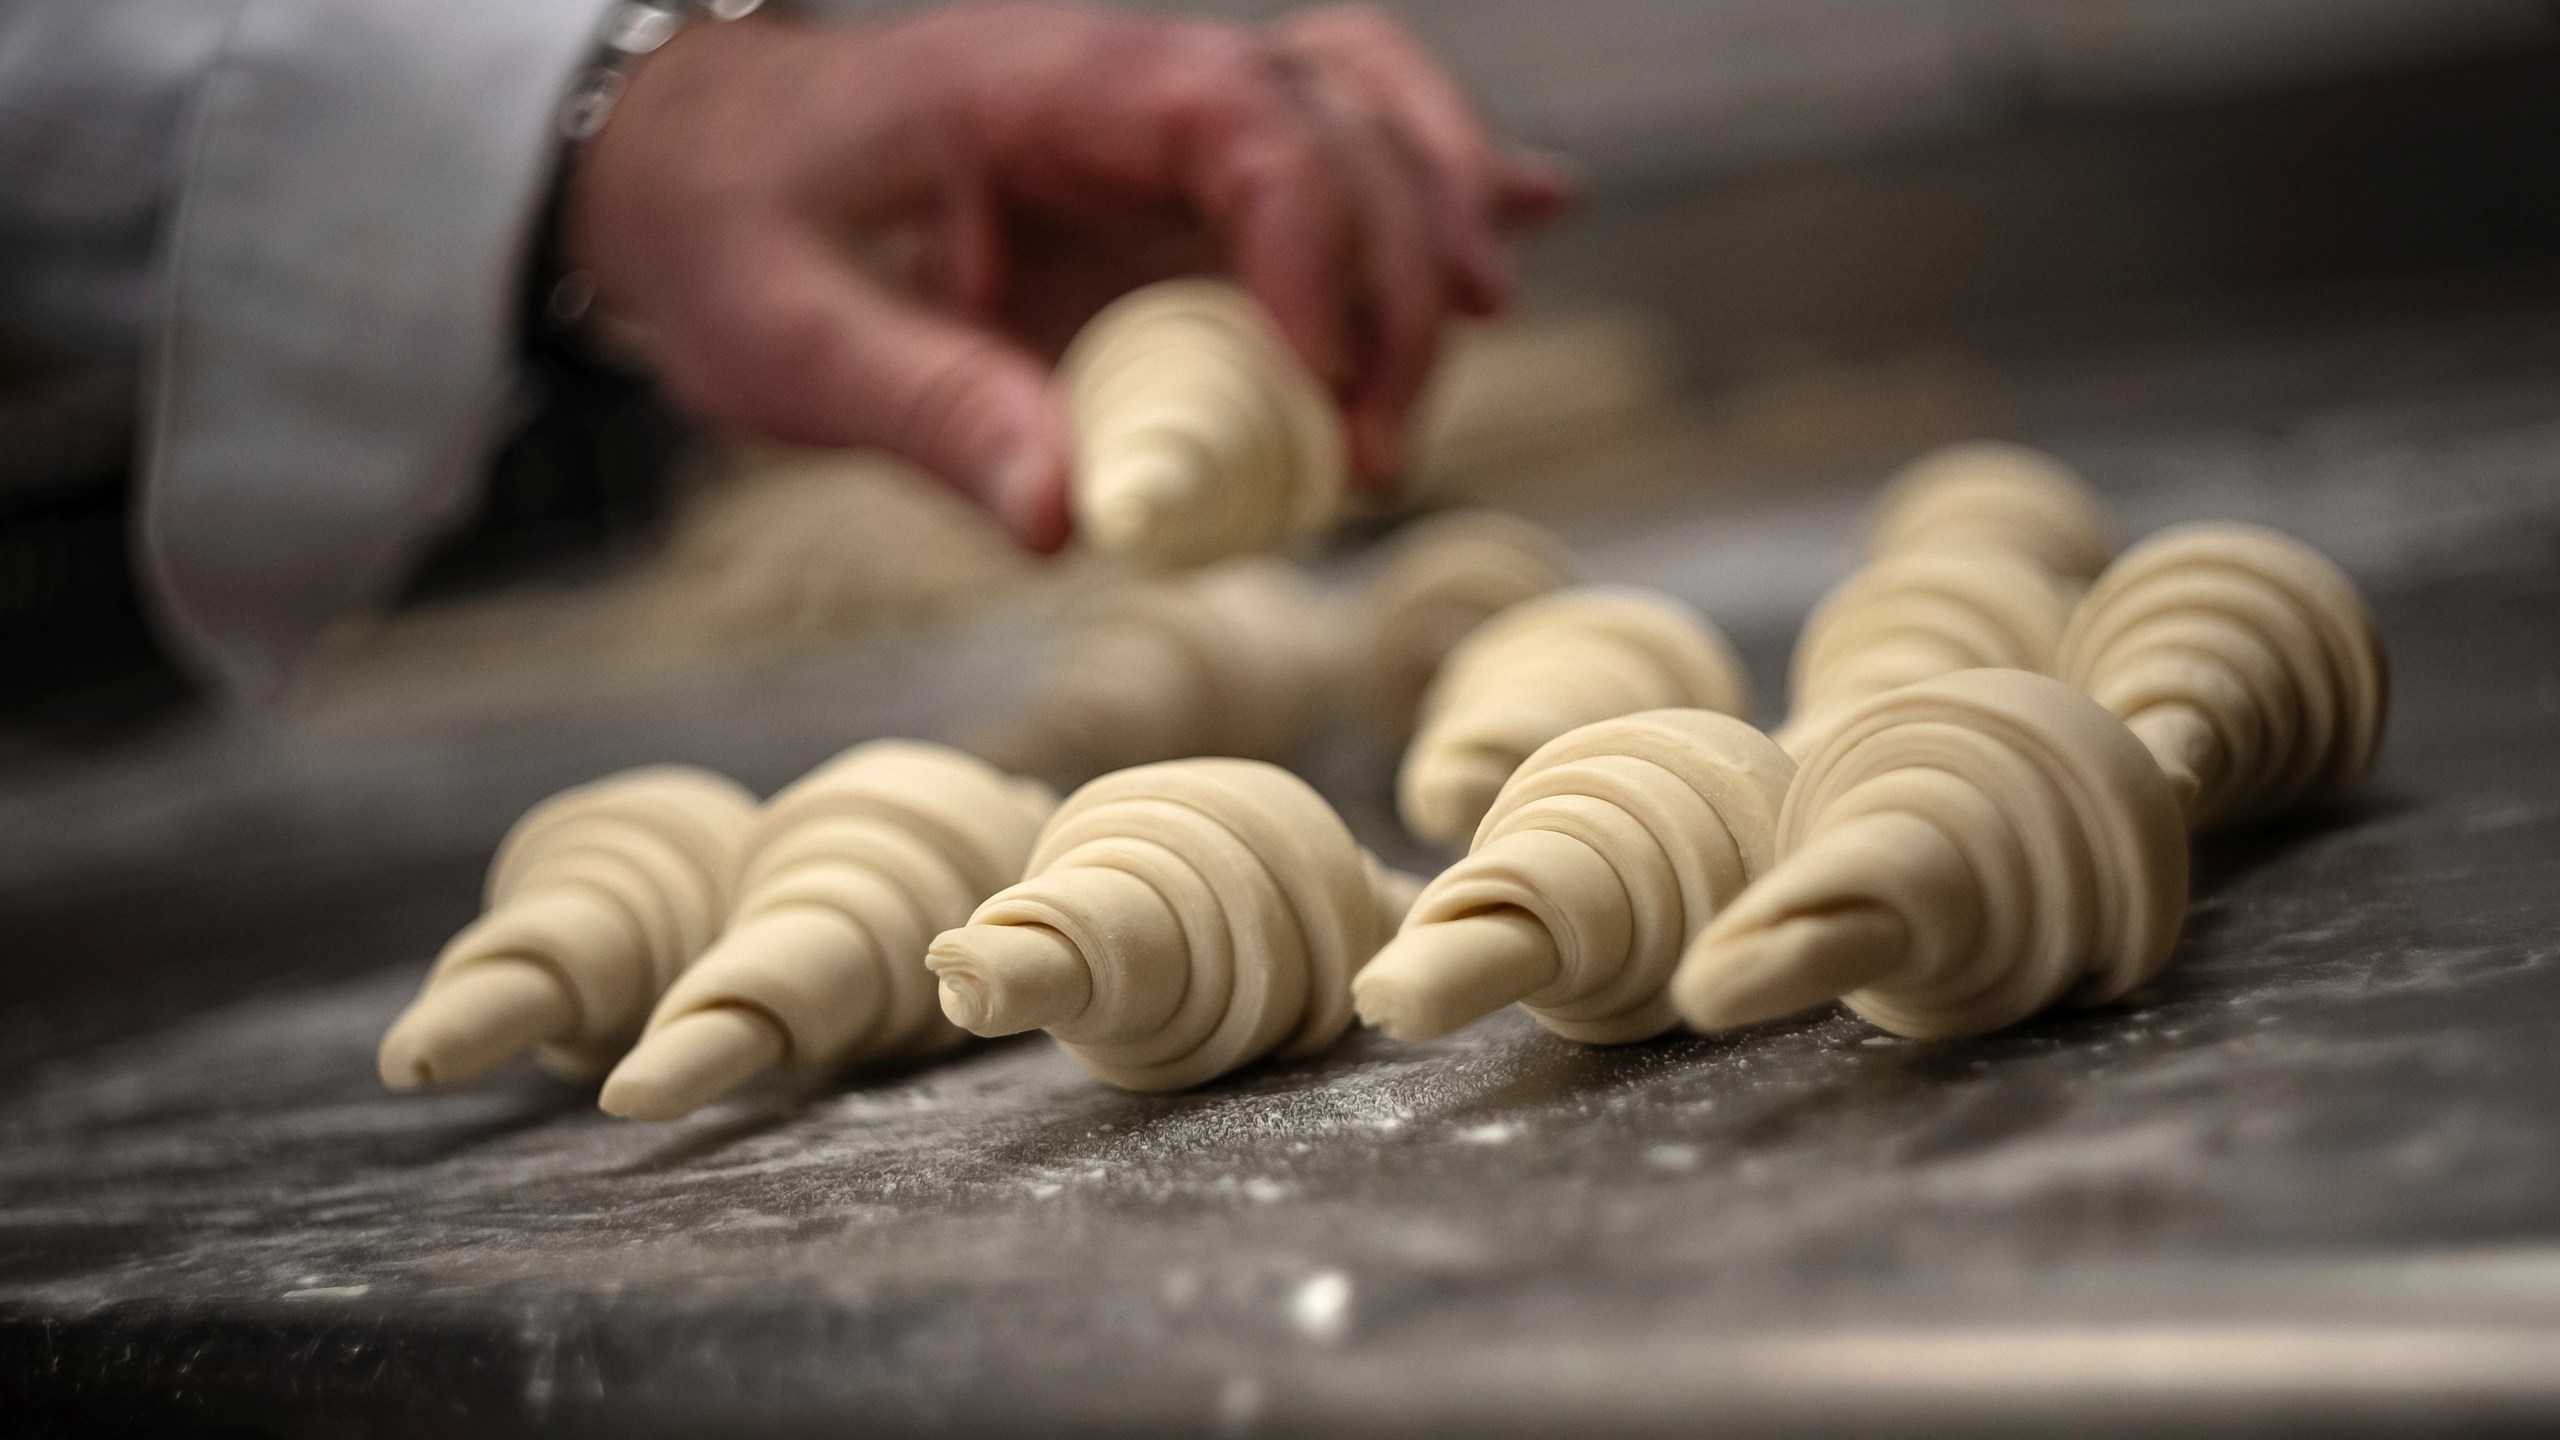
[{"x": 881, "y": 236}]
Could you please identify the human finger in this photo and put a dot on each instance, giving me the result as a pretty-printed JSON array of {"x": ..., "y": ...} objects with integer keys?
[{"x": 790, "y": 341}]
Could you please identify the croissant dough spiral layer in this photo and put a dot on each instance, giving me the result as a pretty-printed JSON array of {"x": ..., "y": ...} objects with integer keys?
[
  {"x": 1177, "y": 921},
  {"x": 848, "y": 875},
  {"x": 1199, "y": 433},
  {"x": 596, "y": 898},
  {"x": 1987, "y": 842},
  {"x": 1441, "y": 578},
  {"x": 1619, "y": 840},
  {"x": 1542, "y": 668},
  {"x": 2245, "y": 659},
  {"x": 1993, "y": 495}
]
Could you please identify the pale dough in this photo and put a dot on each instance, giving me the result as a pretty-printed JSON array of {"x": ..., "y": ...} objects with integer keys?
[
  {"x": 1177, "y": 921},
  {"x": 1992, "y": 495},
  {"x": 1440, "y": 579},
  {"x": 1199, "y": 434},
  {"x": 1912, "y": 615},
  {"x": 597, "y": 897},
  {"x": 818, "y": 545},
  {"x": 848, "y": 874},
  {"x": 1959, "y": 853},
  {"x": 2246, "y": 661},
  {"x": 1976, "y": 555},
  {"x": 1526, "y": 392},
  {"x": 1545, "y": 667},
  {"x": 1235, "y": 659},
  {"x": 1954, "y": 856},
  {"x": 1602, "y": 857}
]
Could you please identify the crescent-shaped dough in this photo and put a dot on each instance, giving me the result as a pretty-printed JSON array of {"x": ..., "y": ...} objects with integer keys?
[
  {"x": 1953, "y": 857},
  {"x": 1234, "y": 659},
  {"x": 1177, "y": 921},
  {"x": 1916, "y": 614},
  {"x": 1605, "y": 853},
  {"x": 1440, "y": 579},
  {"x": 1993, "y": 495},
  {"x": 848, "y": 875},
  {"x": 2244, "y": 659},
  {"x": 1199, "y": 433},
  {"x": 598, "y": 896},
  {"x": 1542, "y": 668}
]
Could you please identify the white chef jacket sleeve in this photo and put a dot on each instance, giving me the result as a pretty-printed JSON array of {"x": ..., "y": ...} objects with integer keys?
[
  {"x": 334, "y": 311},
  {"x": 95, "y": 97}
]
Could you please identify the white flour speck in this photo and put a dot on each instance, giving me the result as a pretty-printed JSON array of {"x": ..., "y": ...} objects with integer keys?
[{"x": 1321, "y": 1307}]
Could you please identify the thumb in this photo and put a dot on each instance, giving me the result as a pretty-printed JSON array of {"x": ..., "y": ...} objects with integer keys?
[{"x": 810, "y": 351}]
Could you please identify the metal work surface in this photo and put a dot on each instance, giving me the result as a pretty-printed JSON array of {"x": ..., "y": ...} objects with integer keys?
[{"x": 2306, "y": 1180}]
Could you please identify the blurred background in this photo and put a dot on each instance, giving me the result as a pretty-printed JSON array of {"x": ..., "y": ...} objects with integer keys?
[{"x": 1819, "y": 236}]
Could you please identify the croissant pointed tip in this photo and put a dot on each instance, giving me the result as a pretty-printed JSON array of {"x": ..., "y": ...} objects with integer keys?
[
  {"x": 402, "y": 1064},
  {"x": 1389, "y": 1006},
  {"x": 1005, "y": 979},
  {"x": 690, "y": 1061},
  {"x": 1769, "y": 974},
  {"x": 1143, "y": 490},
  {"x": 470, "y": 1023},
  {"x": 1438, "y": 977},
  {"x": 965, "y": 1001}
]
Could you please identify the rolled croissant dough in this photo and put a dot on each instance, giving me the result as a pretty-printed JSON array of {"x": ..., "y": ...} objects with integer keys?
[
  {"x": 1959, "y": 853},
  {"x": 1992, "y": 841},
  {"x": 1238, "y": 658},
  {"x": 1607, "y": 850},
  {"x": 1913, "y": 615},
  {"x": 1440, "y": 579},
  {"x": 1177, "y": 921},
  {"x": 1993, "y": 495},
  {"x": 1976, "y": 555},
  {"x": 597, "y": 897},
  {"x": 2244, "y": 659},
  {"x": 849, "y": 873},
  {"x": 1199, "y": 434},
  {"x": 1545, "y": 667}
]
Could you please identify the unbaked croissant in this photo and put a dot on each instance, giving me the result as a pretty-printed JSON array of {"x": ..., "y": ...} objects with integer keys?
[
  {"x": 1954, "y": 856},
  {"x": 849, "y": 873},
  {"x": 2244, "y": 659},
  {"x": 1440, "y": 579},
  {"x": 598, "y": 896},
  {"x": 1545, "y": 667},
  {"x": 1199, "y": 434},
  {"x": 1976, "y": 554},
  {"x": 1956, "y": 852},
  {"x": 1177, "y": 921},
  {"x": 1234, "y": 659},
  {"x": 1910, "y": 616},
  {"x": 1600, "y": 859},
  {"x": 1993, "y": 495}
]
